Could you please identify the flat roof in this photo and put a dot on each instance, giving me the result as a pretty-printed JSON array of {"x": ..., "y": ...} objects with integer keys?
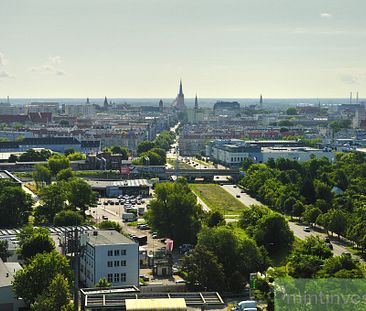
[
  {"x": 129, "y": 183},
  {"x": 7, "y": 270},
  {"x": 173, "y": 304},
  {"x": 291, "y": 149},
  {"x": 107, "y": 237}
]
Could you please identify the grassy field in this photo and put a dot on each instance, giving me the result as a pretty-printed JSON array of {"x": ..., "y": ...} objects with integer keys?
[
  {"x": 182, "y": 165},
  {"x": 217, "y": 198}
]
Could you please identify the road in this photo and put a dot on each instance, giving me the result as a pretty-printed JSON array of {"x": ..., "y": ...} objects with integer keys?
[
  {"x": 298, "y": 229},
  {"x": 245, "y": 198}
]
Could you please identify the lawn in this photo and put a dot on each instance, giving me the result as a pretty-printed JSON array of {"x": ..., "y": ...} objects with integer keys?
[
  {"x": 217, "y": 198},
  {"x": 182, "y": 165}
]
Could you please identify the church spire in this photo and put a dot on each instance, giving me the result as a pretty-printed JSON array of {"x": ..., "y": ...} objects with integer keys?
[
  {"x": 180, "y": 87},
  {"x": 196, "y": 103}
]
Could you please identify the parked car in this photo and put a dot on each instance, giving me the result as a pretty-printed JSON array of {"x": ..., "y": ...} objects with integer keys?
[
  {"x": 238, "y": 195},
  {"x": 330, "y": 245},
  {"x": 307, "y": 229},
  {"x": 104, "y": 217}
]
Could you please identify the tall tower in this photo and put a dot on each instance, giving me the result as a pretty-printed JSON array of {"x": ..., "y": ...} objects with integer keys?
[
  {"x": 180, "y": 98},
  {"x": 161, "y": 104},
  {"x": 105, "y": 103},
  {"x": 196, "y": 103},
  {"x": 261, "y": 101}
]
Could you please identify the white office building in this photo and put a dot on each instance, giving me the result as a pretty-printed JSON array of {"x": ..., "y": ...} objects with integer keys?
[
  {"x": 8, "y": 300},
  {"x": 112, "y": 256}
]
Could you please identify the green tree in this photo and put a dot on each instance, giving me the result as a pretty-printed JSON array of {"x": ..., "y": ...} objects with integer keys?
[
  {"x": 103, "y": 283},
  {"x": 340, "y": 266},
  {"x": 310, "y": 214},
  {"x": 281, "y": 241},
  {"x": 80, "y": 194},
  {"x": 174, "y": 212},
  {"x": 76, "y": 156},
  {"x": 4, "y": 253},
  {"x": 68, "y": 218},
  {"x": 215, "y": 218},
  {"x": 58, "y": 163},
  {"x": 291, "y": 111},
  {"x": 204, "y": 271},
  {"x": 33, "y": 241},
  {"x": 145, "y": 146},
  {"x": 41, "y": 175},
  {"x": 32, "y": 155},
  {"x": 15, "y": 205},
  {"x": 37, "y": 275},
  {"x": 57, "y": 297},
  {"x": 53, "y": 198},
  {"x": 13, "y": 158},
  {"x": 304, "y": 266},
  {"x": 64, "y": 174},
  {"x": 109, "y": 224},
  {"x": 69, "y": 151}
]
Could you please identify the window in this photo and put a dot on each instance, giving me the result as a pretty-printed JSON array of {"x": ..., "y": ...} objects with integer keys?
[
  {"x": 123, "y": 277},
  {"x": 110, "y": 253},
  {"x": 123, "y": 263},
  {"x": 116, "y": 252},
  {"x": 123, "y": 252},
  {"x": 110, "y": 263},
  {"x": 116, "y": 263},
  {"x": 110, "y": 277},
  {"x": 116, "y": 278}
]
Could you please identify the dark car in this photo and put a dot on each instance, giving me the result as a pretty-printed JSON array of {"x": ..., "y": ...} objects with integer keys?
[
  {"x": 238, "y": 196},
  {"x": 330, "y": 246}
]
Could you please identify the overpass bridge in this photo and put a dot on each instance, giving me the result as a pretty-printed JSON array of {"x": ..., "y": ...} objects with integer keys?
[{"x": 206, "y": 174}]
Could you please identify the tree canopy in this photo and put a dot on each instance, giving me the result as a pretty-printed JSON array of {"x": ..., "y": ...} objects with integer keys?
[{"x": 174, "y": 212}]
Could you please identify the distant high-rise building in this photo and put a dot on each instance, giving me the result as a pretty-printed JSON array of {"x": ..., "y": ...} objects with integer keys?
[
  {"x": 179, "y": 101},
  {"x": 196, "y": 103},
  {"x": 87, "y": 101},
  {"x": 261, "y": 101}
]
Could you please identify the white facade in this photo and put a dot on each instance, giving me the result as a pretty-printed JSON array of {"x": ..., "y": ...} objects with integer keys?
[
  {"x": 79, "y": 110},
  {"x": 299, "y": 154},
  {"x": 8, "y": 301},
  {"x": 112, "y": 256}
]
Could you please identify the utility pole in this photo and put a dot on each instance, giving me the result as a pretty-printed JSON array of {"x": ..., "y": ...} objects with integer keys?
[{"x": 74, "y": 246}]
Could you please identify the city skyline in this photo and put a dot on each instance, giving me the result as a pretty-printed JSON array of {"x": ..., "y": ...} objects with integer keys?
[{"x": 140, "y": 49}]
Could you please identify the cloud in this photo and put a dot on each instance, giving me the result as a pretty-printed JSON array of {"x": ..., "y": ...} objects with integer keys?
[
  {"x": 54, "y": 59},
  {"x": 349, "y": 79},
  {"x": 50, "y": 66},
  {"x": 3, "y": 60},
  {"x": 326, "y": 15},
  {"x": 5, "y": 75}
]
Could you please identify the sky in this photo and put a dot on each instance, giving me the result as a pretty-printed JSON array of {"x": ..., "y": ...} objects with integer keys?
[{"x": 219, "y": 48}]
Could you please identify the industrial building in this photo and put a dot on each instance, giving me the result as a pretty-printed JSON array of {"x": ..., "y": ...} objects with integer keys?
[{"x": 121, "y": 187}]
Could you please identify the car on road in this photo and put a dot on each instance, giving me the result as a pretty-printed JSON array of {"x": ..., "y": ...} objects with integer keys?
[
  {"x": 326, "y": 240},
  {"x": 104, "y": 217},
  {"x": 307, "y": 229},
  {"x": 330, "y": 246},
  {"x": 234, "y": 187},
  {"x": 180, "y": 282},
  {"x": 154, "y": 236},
  {"x": 238, "y": 195},
  {"x": 242, "y": 191}
]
